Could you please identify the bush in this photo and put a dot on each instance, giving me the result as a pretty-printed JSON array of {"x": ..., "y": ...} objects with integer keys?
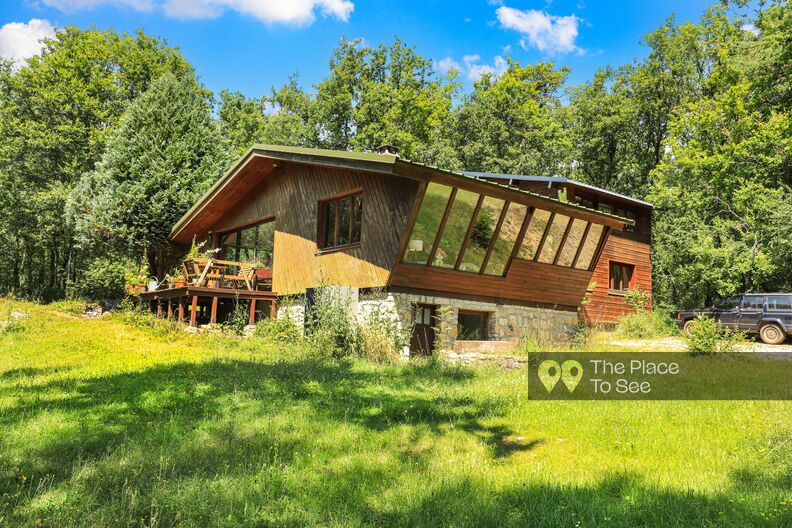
[
  {"x": 646, "y": 325},
  {"x": 104, "y": 279},
  {"x": 708, "y": 336},
  {"x": 379, "y": 336},
  {"x": 237, "y": 320},
  {"x": 279, "y": 330},
  {"x": 12, "y": 322},
  {"x": 149, "y": 322},
  {"x": 329, "y": 324}
]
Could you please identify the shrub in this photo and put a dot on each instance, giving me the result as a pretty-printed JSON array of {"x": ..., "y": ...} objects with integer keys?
[
  {"x": 646, "y": 325},
  {"x": 12, "y": 322},
  {"x": 104, "y": 279},
  {"x": 149, "y": 322},
  {"x": 237, "y": 320},
  {"x": 637, "y": 299},
  {"x": 708, "y": 336},
  {"x": 379, "y": 336},
  {"x": 329, "y": 323},
  {"x": 279, "y": 330}
]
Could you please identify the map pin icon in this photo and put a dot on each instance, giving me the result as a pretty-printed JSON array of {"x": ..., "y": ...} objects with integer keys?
[
  {"x": 549, "y": 373},
  {"x": 571, "y": 372}
]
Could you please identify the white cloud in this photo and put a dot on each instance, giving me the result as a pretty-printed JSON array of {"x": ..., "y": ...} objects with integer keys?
[
  {"x": 750, "y": 28},
  {"x": 20, "y": 41},
  {"x": 297, "y": 12},
  {"x": 547, "y": 33},
  {"x": 447, "y": 64},
  {"x": 474, "y": 70}
]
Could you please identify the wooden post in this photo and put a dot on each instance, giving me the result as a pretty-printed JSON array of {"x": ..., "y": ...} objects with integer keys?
[
  {"x": 181, "y": 310},
  {"x": 273, "y": 308},
  {"x": 194, "y": 310},
  {"x": 150, "y": 309},
  {"x": 159, "y": 308},
  {"x": 252, "y": 319},
  {"x": 213, "y": 313},
  {"x": 170, "y": 310}
]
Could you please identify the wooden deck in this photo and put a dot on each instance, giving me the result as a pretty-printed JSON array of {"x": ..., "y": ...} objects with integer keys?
[{"x": 194, "y": 303}]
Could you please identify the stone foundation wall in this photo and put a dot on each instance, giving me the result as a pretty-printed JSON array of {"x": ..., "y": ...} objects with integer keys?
[{"x": 507, "y": 322}]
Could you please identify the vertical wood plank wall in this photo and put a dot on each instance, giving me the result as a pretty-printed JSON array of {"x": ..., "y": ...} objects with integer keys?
[
  {"x": 291, "y": 192},
  {"x": 606, "y": 307}
]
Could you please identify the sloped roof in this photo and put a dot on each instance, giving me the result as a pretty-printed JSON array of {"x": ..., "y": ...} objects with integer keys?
[{"x": 368, "y": 161}]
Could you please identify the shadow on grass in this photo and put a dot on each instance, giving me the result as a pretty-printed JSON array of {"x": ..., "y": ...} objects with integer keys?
[{"x": 195, "y": 417}]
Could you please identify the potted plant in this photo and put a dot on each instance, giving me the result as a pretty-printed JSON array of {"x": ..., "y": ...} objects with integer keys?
[
  {"x": 177, "y": 278},
  {"x": 135, "y": 278}
]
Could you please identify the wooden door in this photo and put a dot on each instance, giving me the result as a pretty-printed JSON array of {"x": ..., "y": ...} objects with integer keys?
[{"x": 423, "y": 336}]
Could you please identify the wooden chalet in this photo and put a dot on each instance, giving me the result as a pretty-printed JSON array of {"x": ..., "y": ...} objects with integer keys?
[{"x": 509, "y": 254}]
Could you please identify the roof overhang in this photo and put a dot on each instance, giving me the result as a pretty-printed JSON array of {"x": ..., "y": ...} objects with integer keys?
[{"x": 260, "y": 160}]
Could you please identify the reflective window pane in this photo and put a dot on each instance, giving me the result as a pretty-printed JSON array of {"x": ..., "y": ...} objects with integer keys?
[
  {"x": 228, "y": 244},
  {"x": 427, "y": 223},
  {"x": 480, "y": 237},
  {"x": 553, "y": 240},
  {"x": 265, "y": 243},
  {"x": 330, "y": 224},
  {"x": 533, "y": 235},
  {"x": 572, "y": 243},
  {"x": 590, "y": 246},
  {"x": 247, "y": 244},
  {"x": 344, "y": 221},
  {"x": 507, "y": 237},
  {"x": 455, "y": 229}
]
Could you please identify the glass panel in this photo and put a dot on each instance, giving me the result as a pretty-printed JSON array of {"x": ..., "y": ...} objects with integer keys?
[
  {"x": 247, "y": 244},
  {"x": 330, "y": 224},
  {"x": 357, "y": 217},
  {"x": 344, "y": 220},
  {"x": 481, "y": 235},
  {"x": 228, "y": 244},
  {"x": 589, "y": 246},
  {"x": 427, "y": 223},
  {"x": 455, "y": 229},
  {"x": 507, "y": 237},
  {"x": 572, "y": 243},
  {"x": 753, "y": 302},
  {"x": 533, "y": 235},
  {"x": 472, "y": 326},
  {"x": 553, "y": 240},
  {"x": 779, "y": 302},
  {"x": 265, "y": 243}
]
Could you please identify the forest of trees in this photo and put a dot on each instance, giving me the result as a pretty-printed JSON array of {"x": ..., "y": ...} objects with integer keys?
[{"x": 107, "y": 139}]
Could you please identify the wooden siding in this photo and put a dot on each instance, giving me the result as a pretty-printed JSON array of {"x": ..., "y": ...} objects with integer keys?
[
  {"x": 291, "y": 192},
  {"x": 606, "y": 306},
  {"x": 525, "y": 281}
]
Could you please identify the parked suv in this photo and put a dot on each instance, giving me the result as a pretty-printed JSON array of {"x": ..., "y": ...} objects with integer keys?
[{"x": 768, "y": 314}]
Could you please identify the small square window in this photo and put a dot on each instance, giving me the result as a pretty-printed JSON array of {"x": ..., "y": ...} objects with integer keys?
[
  {"x": 621, "y": 276},
  {"x": 472, "y": 326}
]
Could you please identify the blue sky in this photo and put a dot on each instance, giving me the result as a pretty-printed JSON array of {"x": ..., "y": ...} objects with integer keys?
[{"x": 251, "y": 45}]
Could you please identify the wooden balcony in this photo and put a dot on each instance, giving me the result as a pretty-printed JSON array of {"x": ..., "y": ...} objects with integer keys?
[{"x": 210, "y": 289}]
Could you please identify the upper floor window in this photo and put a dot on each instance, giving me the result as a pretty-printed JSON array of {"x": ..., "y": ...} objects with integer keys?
[
  {"x": 621, "y": 276},
  {"x": 340, "y": 221},
  {"x": 254, "y": 243}
]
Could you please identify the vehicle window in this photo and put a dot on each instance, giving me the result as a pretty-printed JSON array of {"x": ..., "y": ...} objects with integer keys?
[
  {"x": 753, "y": 302},
  {"x": 779, "y": 302},
  {"x": 728, "y": 303}
]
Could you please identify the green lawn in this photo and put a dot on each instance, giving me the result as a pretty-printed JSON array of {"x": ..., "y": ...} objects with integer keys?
[{"x": 102, "y": 424}]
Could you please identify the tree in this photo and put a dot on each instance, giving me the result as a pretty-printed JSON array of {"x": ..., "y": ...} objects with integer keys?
[
  {"x": 165, "y": 153},
  {"x": 56, "y": 111},
  {"x": 515, "y": 123}
]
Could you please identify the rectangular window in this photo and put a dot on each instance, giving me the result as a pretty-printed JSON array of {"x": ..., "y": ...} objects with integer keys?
[
  {"x": 340, "y": 221},
  {"x": 779, "y": 302},
  {"x": 621, "y": 276},
  {"x": 472, "y": 326},
  {"x": 753, "y": 302},
  {"x": 427, "y": 223},
  {"x": 254, "y": 244}
]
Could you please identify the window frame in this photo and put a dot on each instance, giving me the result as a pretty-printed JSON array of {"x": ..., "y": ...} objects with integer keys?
[
  {"x": 787, "y": 297},
  {"x": 630, "y": 283},
  {"x": 322, "y": 244},
  {"x": 484, "y": 315},
  {"x": 217, "y": 237}
]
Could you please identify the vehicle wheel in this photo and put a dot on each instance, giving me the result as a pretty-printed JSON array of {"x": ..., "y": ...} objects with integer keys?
[
  {"x": 688, "y": 327},
  {"x": 772, "y": 334}
]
